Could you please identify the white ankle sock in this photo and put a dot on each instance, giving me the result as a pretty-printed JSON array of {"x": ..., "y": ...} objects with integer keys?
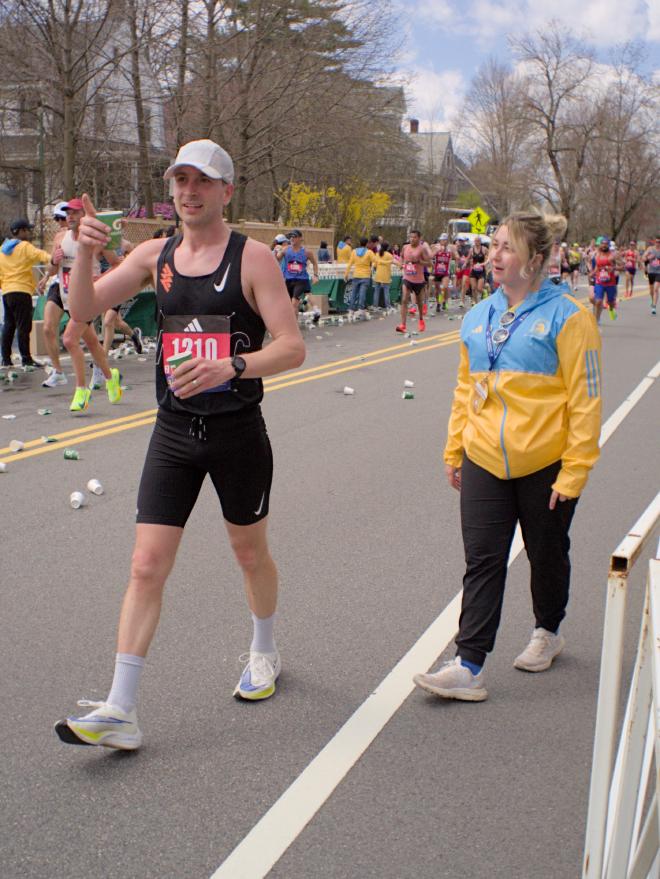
[
  {"x": 128, "y": 669},
  {"x": 263, "y": 640}
]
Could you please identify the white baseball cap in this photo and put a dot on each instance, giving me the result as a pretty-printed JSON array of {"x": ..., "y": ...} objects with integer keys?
[
  {"x": 444, "y": 236},
  {"x": 60, "y": 209},
  {"x": 207, "y": 157}
]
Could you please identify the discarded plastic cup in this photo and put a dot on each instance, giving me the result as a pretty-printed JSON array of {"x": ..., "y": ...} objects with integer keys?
[
  {"x": 71, "y": 455},
  {"x": 77, "y": 499},
  {"x": 348, "y": 392},
  {"x": 44, "y": 411},
  {"x": 3, "y": 467},
  {"x": 9, "y": 417},
  {"x": 408, "y": 384},
  {"x": 48, "y": 439},
  {"x": 16, "y": 446},
  {"x": 407, "y": 395},
  {"x": 95, "y": 487}
]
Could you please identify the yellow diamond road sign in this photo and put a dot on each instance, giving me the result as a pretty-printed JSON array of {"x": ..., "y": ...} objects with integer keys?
[{"x": 478, "y": 221}]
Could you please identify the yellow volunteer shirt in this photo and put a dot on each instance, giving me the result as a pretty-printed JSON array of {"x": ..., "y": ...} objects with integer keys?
[
  {"x": 384, "y": 268},
  {"x": 16, "y": 268}
]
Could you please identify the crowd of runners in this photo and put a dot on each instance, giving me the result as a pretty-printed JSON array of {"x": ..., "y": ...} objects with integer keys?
[{"x": 436, "y": 275}]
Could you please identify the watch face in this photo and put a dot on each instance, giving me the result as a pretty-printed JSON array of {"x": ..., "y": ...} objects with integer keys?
[{"x": 239, "y": 364}]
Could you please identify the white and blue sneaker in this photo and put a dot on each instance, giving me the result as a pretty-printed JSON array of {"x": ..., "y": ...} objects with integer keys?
[
  {"x": 259, "y": 675},
  {"x": 107, "y": 725},
  {"x": 453, "y": 681}
]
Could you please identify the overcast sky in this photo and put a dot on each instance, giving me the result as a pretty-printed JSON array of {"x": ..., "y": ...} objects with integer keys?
[{"x": 447, "y": 40}]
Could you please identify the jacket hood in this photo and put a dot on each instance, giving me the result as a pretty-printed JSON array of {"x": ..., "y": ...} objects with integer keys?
[{"x": 9, "y": 245}]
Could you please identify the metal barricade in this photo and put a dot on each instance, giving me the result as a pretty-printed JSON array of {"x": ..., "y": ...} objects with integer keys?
[{"x": 623, "y": 832}]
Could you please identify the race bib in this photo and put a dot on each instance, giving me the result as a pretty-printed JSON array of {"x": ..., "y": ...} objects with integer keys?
[
  {"x": 478, "y": 267},
  {"x": 603, "y": 276},
  {"x": 655, "y": 265},
  {"x": 207, "y": 336},
  {"x": 294, "y": 268},
  {"x": 410, "y": 268}
]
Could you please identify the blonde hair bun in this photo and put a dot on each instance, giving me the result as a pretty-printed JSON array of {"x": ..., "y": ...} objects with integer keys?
[{"x": 557, "y": 225}]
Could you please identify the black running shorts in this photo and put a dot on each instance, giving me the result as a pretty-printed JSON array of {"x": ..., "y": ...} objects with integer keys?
[
  {"x": 297, "y": 289},
  {"x": 233, "y": 449},
  {"x": 54, "y": 295},
  {"x": 415, "y": 287}
]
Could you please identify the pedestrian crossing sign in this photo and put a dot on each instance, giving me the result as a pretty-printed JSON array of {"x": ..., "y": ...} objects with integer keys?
[{"x": 478, "y": 221}]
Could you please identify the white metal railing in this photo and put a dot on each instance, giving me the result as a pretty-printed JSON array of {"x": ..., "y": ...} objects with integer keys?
[{"x": 623, "y": 830}]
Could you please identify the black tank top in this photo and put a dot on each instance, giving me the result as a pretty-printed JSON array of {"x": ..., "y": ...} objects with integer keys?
[{"x": 206, "y": 316}]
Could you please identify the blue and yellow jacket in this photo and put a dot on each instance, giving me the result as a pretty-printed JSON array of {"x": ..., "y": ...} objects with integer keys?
[{"x": 544, "y": 391}]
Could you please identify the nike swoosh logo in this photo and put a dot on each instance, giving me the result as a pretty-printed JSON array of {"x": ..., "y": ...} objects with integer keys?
[
  {"x": 221, "y": 286},
  {"x": 261, "y": 505}
]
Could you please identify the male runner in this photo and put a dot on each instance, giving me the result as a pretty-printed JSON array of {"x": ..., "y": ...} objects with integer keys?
[
  {"x": 574, "y": 259},
  {"x": 630, "y": 264},
  {"x": 603, "y": 276},
  {"x": 442, "y": 255},
  {"x": 218, "y": 292},
  {"x": 414, "y": 256},
  {"x": 64, "y": 256},
  {"x": 462, "y": 270},
  {"x": 294, "y": 268}
]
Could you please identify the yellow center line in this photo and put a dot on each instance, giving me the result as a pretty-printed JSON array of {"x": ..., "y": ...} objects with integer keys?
[
  {"x": 89, "y": 429},
  {"x": 53, "y": 447},
  {"x": 410, "y": 350},
  {"x": 358, "y": 357}
]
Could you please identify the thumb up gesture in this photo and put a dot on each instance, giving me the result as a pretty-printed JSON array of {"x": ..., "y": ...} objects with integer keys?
[{"x": 92, "y": 233}]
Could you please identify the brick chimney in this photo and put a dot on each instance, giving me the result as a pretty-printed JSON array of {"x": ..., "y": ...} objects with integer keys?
[{"x": 414, "y": 126}]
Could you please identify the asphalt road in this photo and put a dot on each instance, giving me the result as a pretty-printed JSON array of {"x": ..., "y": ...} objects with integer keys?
[{"x": 366, "y": 536}]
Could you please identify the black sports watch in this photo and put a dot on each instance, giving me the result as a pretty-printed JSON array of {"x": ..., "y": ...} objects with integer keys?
[{"x": 239, "y": 365}]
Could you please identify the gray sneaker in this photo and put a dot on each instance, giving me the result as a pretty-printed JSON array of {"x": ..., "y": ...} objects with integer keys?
[
  {"x": 540, "y": 652},
  {"x": 454, "y": 681}
]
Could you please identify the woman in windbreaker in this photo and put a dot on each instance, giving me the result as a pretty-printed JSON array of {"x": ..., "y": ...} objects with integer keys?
[{"x": 522, "y": 437}]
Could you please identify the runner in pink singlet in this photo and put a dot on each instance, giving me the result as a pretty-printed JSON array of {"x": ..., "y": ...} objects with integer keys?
[{"x": 414, "y": 256}]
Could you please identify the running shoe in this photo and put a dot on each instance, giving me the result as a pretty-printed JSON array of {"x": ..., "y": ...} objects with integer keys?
[
  {"x": 136, "y": 339},
  {"x": 33, "y": 364},
  {"x": 113, "y": 386},
  {"x": 422, "y": 325},
  {"x": 412, "y": 309},
  {"x": 107, "y": 725},
  {"x": 400, "y": 329},
  {"x": 80, "y": 400},
  {"x": 97, "y": 379},
  {"x": 454, "y": 681},
  {"x": 653, "y": 309},
  {"x": 539, "y": 654},
  {"x": 55, "y": 379},
  {"x": 613, "y": 313},
  {"x": 259, "y": 676},
  {"x": 425, "y": 309},
  {"x": 438, "y": 308}
]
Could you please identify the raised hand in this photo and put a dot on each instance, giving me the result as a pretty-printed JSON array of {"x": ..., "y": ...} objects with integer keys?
[{"x": 92, "y": 233}]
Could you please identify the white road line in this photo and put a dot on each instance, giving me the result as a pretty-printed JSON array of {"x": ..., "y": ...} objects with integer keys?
[{"x": 272, "y": 835}]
